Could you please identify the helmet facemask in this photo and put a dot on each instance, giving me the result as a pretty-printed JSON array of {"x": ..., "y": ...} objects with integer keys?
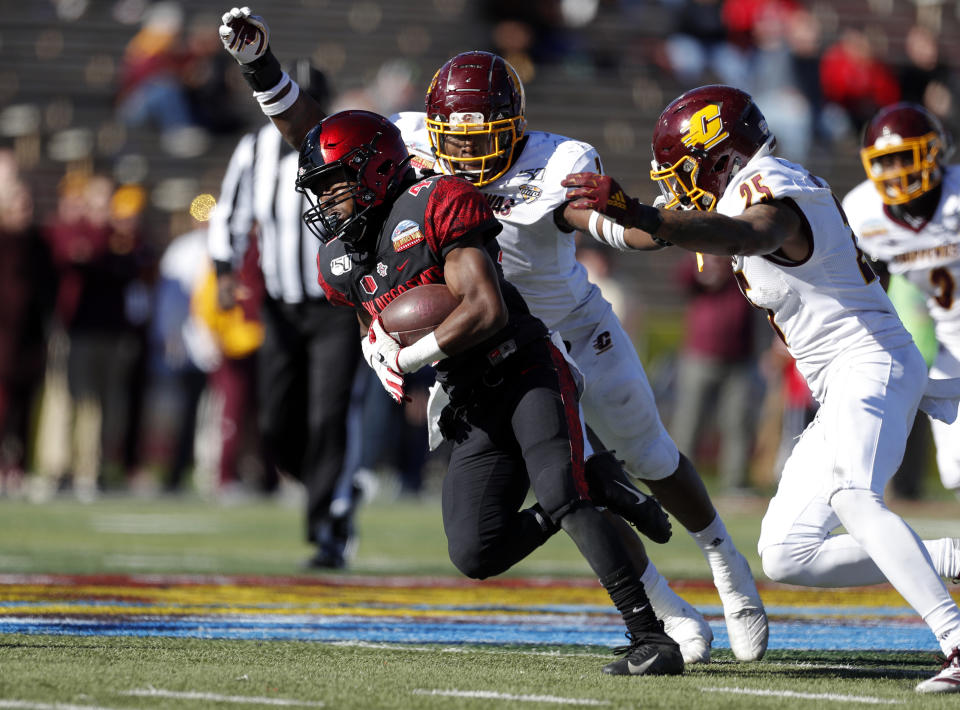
[
  {"x": 489, "y": 145},
  {"x": 903, "y": 169},
  {"x": 337, "y": 205},
  {"x": 678, "y": 185}
]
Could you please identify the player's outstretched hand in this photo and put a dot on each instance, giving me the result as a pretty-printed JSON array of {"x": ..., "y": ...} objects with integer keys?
[
  {"x": 590, "y": 191},
  {"x": 245, "y": 36},
  {"x": 603, "y": 194}
]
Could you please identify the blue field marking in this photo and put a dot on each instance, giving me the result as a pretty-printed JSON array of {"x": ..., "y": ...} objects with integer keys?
[
  {"x": 525, "y": 613},
  {"x": 784, "y": 635}
]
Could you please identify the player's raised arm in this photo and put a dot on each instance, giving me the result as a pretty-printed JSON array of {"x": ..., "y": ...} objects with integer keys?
[
  {"x": 247, "y": 38},
  {"x": 600, "y": 207}
]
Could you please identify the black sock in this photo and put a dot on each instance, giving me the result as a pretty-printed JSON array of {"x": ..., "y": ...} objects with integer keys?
[
  {"x": 607, "y": 554},
  {"x": 630, "y": 598}
]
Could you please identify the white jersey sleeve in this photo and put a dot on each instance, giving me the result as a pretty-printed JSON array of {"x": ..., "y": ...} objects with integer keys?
[
  {"x": 831, "y": 303},
  {"x": 413, "y": 129}
]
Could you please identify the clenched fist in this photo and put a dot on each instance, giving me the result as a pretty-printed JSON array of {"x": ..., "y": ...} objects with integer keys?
[{"x": 245, "y": 36}]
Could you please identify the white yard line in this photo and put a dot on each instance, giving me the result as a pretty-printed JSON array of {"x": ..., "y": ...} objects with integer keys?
[
  {"x": 805, "y": 696},
  {"x": 153, "y": 524},
  {"x": 187, "y": 561},
  {"x": 872, "y": 670},
  {"x": 492, "y": 695},
  {"x": 458, "y": 649},
  {"x": 33, "y": 705},
  {"x": 214, "y": 697}
]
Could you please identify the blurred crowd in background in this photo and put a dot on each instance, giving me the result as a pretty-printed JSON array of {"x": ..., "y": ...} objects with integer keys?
[{"x": 120, "y": 372}]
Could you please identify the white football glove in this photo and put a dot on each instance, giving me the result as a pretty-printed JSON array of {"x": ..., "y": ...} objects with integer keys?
[
  {"x": 391, "y": 379},
  {"x": 245, "y": 36},
  {"x": 385, "y": 348}
]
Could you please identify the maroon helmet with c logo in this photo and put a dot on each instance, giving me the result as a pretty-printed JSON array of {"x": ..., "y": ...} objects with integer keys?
[
  {"x": 903, "y": 149},
  {"x": 475, "y": 99},
  {"x": 701, "y": 140}
]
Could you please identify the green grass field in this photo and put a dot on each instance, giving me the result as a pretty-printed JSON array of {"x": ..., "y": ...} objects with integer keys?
[{"x": 144, "y": 539}]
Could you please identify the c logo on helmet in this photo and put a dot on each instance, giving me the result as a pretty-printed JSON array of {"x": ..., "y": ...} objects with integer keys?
[{"x": 705, "y": 128}]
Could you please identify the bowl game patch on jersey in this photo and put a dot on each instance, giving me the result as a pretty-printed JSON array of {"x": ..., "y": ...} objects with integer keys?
[{"x": 405, "y": 235}]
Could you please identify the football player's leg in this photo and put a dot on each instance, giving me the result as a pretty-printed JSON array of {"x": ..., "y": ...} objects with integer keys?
[
  {"x": 612, "y": 487},
  {"x": 282, "y": 389},
  {"x": 795, "y": 544},
  {"x": 485, "y": 486},
  {"x": 333, "y": 353},
  {"x": 947, "y": 436},
  {"x": 795, "y": 541},
  {"x": 621, "y": 409},
  {"x": 547, "y": 428},
  {"x": 681, "y": 621},
  {"x": 880, "y": 409},
  {"x": 860, "y": 435}
]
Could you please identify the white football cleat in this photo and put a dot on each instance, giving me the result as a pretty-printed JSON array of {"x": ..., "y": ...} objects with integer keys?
[
  {"x": 692, "y": 632},
  {"x": 743, "y": 610},
  {"x": 947, "y": 680}
]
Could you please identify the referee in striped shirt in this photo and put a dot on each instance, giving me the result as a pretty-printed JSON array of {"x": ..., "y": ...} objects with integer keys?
[{"x": 308, "y": 361}]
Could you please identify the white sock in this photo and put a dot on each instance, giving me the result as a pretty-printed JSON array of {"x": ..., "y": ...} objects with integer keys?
[
  {"x": 900, "y": 555},
  {"x": 715, "y": 543},
  {"x": 664, "y": 600}
]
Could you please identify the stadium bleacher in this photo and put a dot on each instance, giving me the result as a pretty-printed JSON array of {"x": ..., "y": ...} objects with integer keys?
[{"x": 59, "y": 62}]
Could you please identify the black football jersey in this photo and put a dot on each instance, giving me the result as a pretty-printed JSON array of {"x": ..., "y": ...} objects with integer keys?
[{"x": 429, "y": 218}]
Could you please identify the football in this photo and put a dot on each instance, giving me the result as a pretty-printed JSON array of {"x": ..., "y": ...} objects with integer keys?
[{"x": 416, "y": 312}]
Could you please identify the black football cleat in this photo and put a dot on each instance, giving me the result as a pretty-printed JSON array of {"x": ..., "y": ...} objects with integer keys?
[
  {"x": 610, "y": 486},
  {"x": 650, "y": 653}
]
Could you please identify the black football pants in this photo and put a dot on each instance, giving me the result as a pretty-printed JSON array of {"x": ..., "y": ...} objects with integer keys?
[
  {"x": 514, "y": 434},
  {"x": 307, "y": 364}
]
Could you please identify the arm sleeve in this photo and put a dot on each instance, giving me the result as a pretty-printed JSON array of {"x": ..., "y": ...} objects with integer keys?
[
  {"x": 456, "y": 210},
  {"x": 230, "y": 224}
]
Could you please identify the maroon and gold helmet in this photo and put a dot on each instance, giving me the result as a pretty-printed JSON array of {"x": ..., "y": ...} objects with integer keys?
[
  {"x": 903, "y": 149},
  {"x": 701, "y": 140},
  {"x": 476, "y": 99},
  {"x": 359, "y": 149}
]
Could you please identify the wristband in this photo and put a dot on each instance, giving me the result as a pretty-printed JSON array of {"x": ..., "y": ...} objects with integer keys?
[
  {"x": 423, "y": 352},
  {"x": 266, "y": 98},
  {"x": 607, "y": 231},
  {"x": 263, "y": 72}
]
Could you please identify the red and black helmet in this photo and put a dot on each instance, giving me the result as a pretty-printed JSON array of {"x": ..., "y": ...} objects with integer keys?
[
  {"x": 476, "y": 96},
  {"x": 361, "y": 150},
  {"x": 701, "y": 140},
  {"x": 903, "y": 149}
]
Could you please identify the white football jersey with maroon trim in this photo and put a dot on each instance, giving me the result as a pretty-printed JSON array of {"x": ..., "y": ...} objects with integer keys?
[
  {"x": 830, "y": 304},
  {"x": 928, "y": 256},
  {"x": 538, "y": 258}
]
